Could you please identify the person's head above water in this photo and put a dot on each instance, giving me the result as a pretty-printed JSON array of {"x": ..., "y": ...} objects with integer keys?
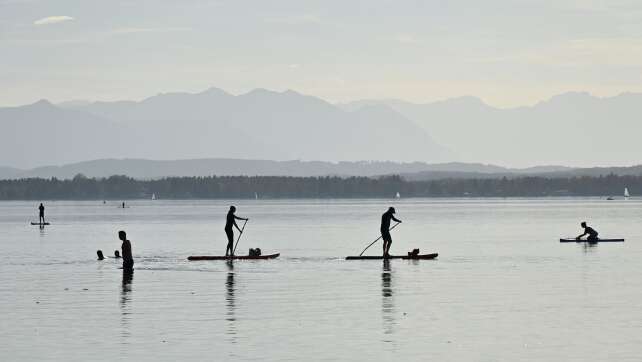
[
  {"x": 99, "y": 253},
  {"x": 583, "y": 224},
  {"x": 122, "y": 235},
  {"x": 232, "y": 208},
  {"x": 391, "y": 210},
  {"x": 116, "y": 254}
]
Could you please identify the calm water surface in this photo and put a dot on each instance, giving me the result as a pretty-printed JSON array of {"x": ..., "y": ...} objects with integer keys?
[{"x": 502, "y": 289}]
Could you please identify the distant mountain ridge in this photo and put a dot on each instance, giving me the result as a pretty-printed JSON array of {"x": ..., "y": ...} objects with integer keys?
[
  {"x": 571, "y": 128},
  {"x": 42, "y": 131},
  {"x": 574, "y": 128},
  {"x": 151, "y": 169},
  {"x": 261, "y": 124},
  {"x": 141, "y": 168}
]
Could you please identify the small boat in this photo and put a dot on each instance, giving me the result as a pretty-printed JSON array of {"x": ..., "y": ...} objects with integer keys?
[
  {"x": 591, "y": 241},
  {"x": 42, "y": 224},
  {"x": 610, "y": 198},
  {"x": 235, "y": 257},
  {"x": 398, "y": 196},
  {"x": 153, "y": 196},
  {"x": 626, "y": 193},
  {"x": 406, "y": 257}
]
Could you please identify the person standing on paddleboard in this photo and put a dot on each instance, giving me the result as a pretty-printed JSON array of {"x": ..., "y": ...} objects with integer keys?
[
  {"x": 229, "y": 230},
  {"x": 592, "y": 234},
  {"x": 385, "y": 230},
  {"x": 41, "y": 210}
]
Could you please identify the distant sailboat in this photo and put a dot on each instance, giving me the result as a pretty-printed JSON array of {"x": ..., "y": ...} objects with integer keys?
[
  {"x": 256, "y": 196},
  {"x": 626, "y": 193},
  {"x": 153, "y": 196},
  {"x": 398, "y": 195}
]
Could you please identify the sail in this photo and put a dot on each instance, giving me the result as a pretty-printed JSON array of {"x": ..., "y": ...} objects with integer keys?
[{"x": 626, "y": 192}]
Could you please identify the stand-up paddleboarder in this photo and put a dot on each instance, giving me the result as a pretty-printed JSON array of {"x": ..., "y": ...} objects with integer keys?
[
  {"x": 41, "y": 210},
  {"x": 385, "y": 230},
  {"x": 230, "y": 223}
]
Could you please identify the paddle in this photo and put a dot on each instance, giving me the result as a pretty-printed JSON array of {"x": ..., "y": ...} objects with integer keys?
[
  {"x": 239, "y": 238},
  {"x": 377, "y": 239}
]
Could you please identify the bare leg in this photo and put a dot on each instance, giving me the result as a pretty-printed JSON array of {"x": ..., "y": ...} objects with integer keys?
[
  {"x": 230, "y": 243},
  {"x": 386, "y": 247}
]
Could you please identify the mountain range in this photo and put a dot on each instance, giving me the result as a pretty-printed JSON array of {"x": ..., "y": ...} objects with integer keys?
[
  {"x": 414, "y": 171},
  {"x": 574, "y": 128},
  {"x": 569, "y": 129},
  {"x": 260, "y": 124},
  {"x": 149, "y": 169}
]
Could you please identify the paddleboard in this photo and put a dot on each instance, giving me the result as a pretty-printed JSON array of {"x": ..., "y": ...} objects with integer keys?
[
  {"x": 591, "y": 241},
  {"x": 236, "y": 257},
  {"x": 406, "y": 257},
  {"x": 37, "y": 223}
]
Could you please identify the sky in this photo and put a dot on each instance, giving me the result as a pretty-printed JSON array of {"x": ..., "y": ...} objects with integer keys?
[{"x": 506, "y": 52}]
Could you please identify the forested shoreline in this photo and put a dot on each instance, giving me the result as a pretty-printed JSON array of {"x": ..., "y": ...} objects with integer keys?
[{"x": 275, "y": 187}]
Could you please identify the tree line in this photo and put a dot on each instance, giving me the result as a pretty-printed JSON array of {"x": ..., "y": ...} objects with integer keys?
[{"x": 272, "y": 187}]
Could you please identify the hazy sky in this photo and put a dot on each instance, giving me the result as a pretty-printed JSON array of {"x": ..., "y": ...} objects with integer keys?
[{"x": 507, "y": 52}]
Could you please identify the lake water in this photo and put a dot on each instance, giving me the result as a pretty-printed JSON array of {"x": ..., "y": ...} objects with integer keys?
[{"x": 502, "y": 289}]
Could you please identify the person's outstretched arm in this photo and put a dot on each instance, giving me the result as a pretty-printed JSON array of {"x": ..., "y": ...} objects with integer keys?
[
  {"x": 241, "y": 218},
  {"x": 580, "y": 236},
  {"x": 395, "y": 219}
]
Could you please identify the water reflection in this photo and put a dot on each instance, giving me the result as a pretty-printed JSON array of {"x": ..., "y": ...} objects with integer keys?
[
  {"x": 589, "y": 247},
  {"x": 230, "y": 303},
  {"x": 387, "y": 303},
  {"x": 125, "y": 305}
]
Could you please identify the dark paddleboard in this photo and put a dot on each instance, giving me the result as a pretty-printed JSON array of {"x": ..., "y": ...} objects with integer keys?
[
  {"x": 591, "y": 241},
  {"x": 236, "y": 257},
  {"x": 37, "y": 223},
  {"x": 379, "y": 257}
]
